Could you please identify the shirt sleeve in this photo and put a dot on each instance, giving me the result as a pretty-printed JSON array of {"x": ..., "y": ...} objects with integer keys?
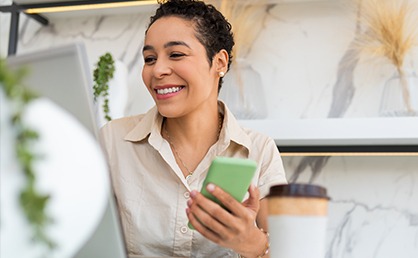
[{"x": 272, "y": 170}]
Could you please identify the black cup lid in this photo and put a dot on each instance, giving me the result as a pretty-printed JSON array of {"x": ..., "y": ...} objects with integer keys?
[{"x": 298, "y": 190}]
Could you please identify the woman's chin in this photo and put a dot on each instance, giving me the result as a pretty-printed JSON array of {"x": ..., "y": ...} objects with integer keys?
[{"x": 167, "y": 111}]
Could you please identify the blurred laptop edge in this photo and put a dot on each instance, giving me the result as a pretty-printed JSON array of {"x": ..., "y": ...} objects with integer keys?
[{"x": 62, "y": 74}]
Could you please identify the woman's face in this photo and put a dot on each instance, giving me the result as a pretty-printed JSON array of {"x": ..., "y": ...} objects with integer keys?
[{"x": 176, "y": 69}]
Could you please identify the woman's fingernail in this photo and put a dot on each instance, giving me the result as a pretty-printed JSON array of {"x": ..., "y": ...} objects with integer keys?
[
  {"x": 193, "y": 193},
  {"x": 210, "y": 187},
  {"x": 189, "y": 202}
]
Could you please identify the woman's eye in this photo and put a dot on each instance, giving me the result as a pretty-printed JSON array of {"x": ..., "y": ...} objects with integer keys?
[
  {"x": 150, "y": 59},
  {"x": 176, "y": 55}
]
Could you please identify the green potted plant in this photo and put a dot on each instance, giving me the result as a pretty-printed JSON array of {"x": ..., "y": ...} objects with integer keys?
[{"x": 102, "y": 74}]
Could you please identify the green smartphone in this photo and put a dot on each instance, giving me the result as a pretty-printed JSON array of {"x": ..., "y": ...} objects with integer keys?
[{"x": 233, "y": 175}]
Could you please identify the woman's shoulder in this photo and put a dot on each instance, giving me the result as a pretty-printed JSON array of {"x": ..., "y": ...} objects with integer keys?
[
  {"x": 256, "y": 136},
  {"x": 242, "y": 132}
]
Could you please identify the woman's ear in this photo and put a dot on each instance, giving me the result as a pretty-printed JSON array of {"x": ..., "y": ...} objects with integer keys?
[{"x": 221, "y": 61}]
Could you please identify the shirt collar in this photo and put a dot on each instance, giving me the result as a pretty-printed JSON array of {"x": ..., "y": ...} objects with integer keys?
[
  {"x": 232, "y": 130},
  {"x": 149, "y": 124},
  {"x": 152, "y": 121}
]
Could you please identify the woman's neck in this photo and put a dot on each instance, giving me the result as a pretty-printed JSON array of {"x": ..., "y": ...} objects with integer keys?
[
  {"x": 191, "y": 138},
  {"x": 194, "y": 130}
]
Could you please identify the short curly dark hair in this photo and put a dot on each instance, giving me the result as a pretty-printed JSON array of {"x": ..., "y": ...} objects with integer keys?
[{"x": 212, "y": 29}]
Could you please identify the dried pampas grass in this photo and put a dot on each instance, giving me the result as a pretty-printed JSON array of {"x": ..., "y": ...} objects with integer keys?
[
  {"x": 246, "y": 18},
  {"x": 390, "y": 31}
]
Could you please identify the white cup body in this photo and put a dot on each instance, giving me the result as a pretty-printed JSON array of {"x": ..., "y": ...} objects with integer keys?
[
  {"x": 297, "y": 221},
  {"x": 297, "y": 236}
]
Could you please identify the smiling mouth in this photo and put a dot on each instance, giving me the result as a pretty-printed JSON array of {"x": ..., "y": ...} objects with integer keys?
[{"x": 169, "y": 90}]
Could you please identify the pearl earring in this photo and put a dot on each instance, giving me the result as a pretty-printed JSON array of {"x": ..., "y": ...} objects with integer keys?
[{"x": 221, "y": 74}]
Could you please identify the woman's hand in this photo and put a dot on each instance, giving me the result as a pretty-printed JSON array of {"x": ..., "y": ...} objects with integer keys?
[{"x": 235, "y": 229}]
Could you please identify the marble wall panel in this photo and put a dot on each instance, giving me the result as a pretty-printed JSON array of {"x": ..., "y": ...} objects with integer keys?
[{"x": 303, "y": 55}]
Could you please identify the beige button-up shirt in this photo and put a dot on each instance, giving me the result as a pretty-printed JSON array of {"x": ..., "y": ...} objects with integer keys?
[{"x": 152, "y": 192}]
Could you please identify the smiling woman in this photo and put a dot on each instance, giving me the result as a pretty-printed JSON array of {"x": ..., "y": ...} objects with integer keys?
[{"x": 159, "y": 160}]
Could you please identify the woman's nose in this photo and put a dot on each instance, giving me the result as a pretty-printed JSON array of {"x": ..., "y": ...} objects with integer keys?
[{"x": 161, "y": 68}]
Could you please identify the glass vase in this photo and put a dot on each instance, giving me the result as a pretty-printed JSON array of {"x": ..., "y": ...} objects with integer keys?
[
  {"x": 400, "y": 95},
  {"x": 243, "y": 93}
]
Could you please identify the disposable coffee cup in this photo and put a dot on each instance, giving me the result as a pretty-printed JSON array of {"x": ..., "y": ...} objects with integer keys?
[{"x": 297, "y": 220}]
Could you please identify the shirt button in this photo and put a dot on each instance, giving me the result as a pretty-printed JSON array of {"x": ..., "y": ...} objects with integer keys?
[
  {"x": 186, "y": 195},
  {"x": 183, "y": 229}
]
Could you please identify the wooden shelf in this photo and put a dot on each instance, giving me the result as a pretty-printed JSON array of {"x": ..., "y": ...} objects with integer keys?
[
  {"x": 148, "y": 7},
  {"x": 23, "y": 6}
]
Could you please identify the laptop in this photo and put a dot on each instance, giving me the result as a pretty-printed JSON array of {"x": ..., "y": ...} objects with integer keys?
[{"x": 63, "y": 75}]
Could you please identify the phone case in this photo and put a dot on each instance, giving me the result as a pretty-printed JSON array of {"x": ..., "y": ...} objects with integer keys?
[{"x": 233, "y": 175}]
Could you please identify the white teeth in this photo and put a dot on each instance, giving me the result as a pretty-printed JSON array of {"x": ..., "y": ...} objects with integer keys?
[{"x": 168, "y": 90}]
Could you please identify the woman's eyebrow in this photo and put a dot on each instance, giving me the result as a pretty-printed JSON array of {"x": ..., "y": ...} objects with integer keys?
[
  {"x": 175, "y": 43},
  {"x": 147, "y": 47},
  {"x": 166, "y": 45}
]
